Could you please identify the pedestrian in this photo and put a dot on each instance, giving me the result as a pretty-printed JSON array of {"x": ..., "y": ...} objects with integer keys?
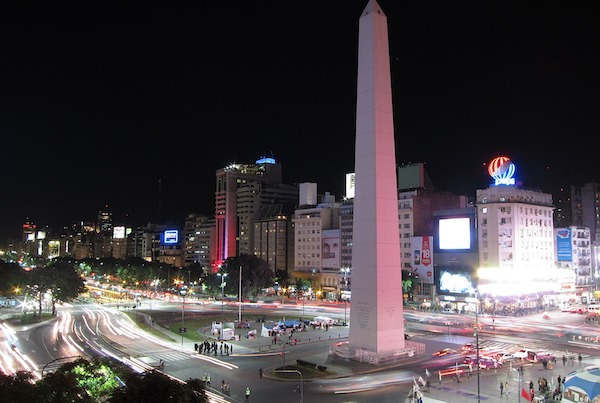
[
  {"x": 248, "y": 394},
  {"x": 501, "y": 388},
  {"x": 260, "y": 372},
  {"x": 559, "y": 380},
  {"x": 564, "y": 360},
  {"x": 579, "y": 358},
  {"x": 506, "y": 391}
]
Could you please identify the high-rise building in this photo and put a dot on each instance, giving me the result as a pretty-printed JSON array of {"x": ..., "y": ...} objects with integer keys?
[
  {"x": 198, "y": 240},
  {"x": 105, "y": 221},
  {"x": 241, "y": 191},
  {"x": 574, "y": 252},
  {"x": 516, "y": 245},
  {"x": 274, "y": 236},
  {"x": 316, "y": 230},
  {"x": 585, "y": 208}
]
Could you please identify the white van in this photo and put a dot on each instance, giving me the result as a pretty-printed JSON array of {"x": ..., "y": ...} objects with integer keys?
[
  {"x": 524, "y": 353},
  {"x": 322, "y": 321}
]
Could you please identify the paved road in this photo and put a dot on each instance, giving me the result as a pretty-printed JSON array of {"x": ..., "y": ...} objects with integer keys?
[{"x": 446, "y": 391}]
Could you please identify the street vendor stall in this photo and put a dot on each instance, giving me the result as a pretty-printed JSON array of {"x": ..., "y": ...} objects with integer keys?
[{"x": 583, "y": 386}]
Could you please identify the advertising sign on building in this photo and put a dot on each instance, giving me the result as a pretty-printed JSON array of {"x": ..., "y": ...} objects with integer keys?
[
  {"x": 502, "y": 170},
  {"x": 331, "y": 249},
  {"x": 422, "y": 258},
  {"x": 350, "y": 185},
  {"x": 564, "y": 251},
  {"x": 170, "y": 237}
]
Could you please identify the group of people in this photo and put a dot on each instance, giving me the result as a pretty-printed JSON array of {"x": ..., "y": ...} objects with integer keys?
[
  {"x": 504, "y": 391},
  {"x": 207, "y": 347},
  {"x": 572, "y": 358}
]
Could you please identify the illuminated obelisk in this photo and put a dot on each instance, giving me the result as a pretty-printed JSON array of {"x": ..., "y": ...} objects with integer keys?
[{"x": 376, "y": 316}]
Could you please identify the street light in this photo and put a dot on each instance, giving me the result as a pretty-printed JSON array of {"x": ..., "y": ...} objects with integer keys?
[
  {"x": 477, "y": 340},
  {"x": 155, "y": 283},
  {"x": 182, "y": 293},
  {"x": 345, "y": 270},
  {"x": 222, "y": 275},
  {"x": 295, "y": 371},
  {"x": 240, "y": 298}
]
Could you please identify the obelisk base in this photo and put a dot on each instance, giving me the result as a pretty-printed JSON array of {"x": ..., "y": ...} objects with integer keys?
[{"x": 343, "y": 350}]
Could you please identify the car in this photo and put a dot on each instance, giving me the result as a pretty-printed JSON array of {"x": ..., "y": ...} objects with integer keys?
[
  {"x": 455, "y": 370},
  {"x": 468, "y": 348},
  {"x": 484, "y": 362},
  {"x": 524, "y": 353},
  {"x": 444, "y": 352},
  {"x": 542, "y": 356},
  {"x": 505, "y": 357}
]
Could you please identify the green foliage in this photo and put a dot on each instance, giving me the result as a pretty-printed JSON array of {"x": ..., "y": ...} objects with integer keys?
[
  {"x": 256, "y": 274},
  {"x": 99, "y": 380},
  {"x": 13, "y": 277},
  {"x": 17, "y": 387}
]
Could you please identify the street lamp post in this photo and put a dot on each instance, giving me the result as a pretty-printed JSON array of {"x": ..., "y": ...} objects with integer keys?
[
  {"x": 345, "y": 270},
  {"x": 182, "y": 294},
  {"x": 155, "y": 291},
  {"x": 240, "y": 298},
  {"x": 295, "y": 371},
  {"x": 222, "y": 275},
  {"x": 477, "y": 342}
]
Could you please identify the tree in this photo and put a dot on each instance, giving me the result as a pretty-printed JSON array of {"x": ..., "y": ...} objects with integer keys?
[
  {"x": 256, "y": 274},
  {"x": 99, "y": 380},
  {"x": 154, "y": 386},
  {"x": 283, "y": 278},
  {"x": 303, "y": 284},
  {"x": 59, "y": 279},
  {"x": 12, "y": 278},
  {"x": 17, "y": 387}
]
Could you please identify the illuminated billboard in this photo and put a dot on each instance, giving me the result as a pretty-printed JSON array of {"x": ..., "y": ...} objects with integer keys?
[
  {"x": 118, "y": 232},
  {"x": 422, "y": 258},
  {"x": 455, "y": 231},
  {"x": 458, "y": 281},
  {"x": 170, "y": 237},
  {"x": 502, "y": 170},
  {"x": 350, "y": 185},
  {"x": 564, "y": 250}
]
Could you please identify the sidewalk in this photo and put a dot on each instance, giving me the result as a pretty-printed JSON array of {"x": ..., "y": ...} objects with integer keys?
[{"x": 489, "y": 383}]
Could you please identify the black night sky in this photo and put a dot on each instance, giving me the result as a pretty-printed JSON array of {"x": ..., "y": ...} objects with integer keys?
[{"x": 136, "y": 104}]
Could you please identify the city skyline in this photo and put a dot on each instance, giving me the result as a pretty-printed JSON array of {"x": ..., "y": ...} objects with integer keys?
[{"x": 136, "y": 106}]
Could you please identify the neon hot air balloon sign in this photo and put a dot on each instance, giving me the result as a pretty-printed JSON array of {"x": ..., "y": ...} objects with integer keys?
[{"x": 502, "y": 170}]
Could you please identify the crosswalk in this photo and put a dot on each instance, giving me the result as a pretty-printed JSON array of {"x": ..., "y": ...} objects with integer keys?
[
  {"x": 499, "y": 345},
  {"x": 171, "y": 356},
  {"x": 492, "y": 345}
]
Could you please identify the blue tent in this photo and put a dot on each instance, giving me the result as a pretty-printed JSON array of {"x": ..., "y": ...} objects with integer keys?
[{"x": 586, "y": 381}]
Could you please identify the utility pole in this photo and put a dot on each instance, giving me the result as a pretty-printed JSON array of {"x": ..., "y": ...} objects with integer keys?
[{"x": 240, "y": 298}]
